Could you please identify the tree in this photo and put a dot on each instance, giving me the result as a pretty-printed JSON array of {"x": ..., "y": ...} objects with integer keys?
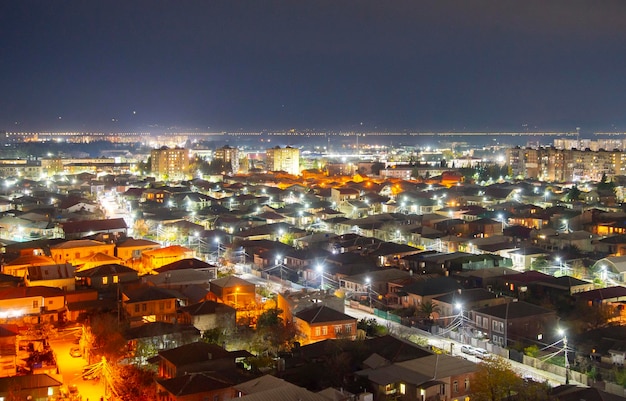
[
  {"x": 376, "y": 167},
  {"x": 104, "y": 336},
  {"x": 371, "y": 327},
  {"x": 272, "y": 329},
  {"x": 494, "y": 380},
  {"x": 573, "y": 194},
  {"x": 427, "y": 309},
  {"x": 133, "y": 384}
]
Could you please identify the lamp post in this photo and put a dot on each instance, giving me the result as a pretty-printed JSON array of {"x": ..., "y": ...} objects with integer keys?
[
  {"x": 459, "y": 306},
  {"x": 562, "y": 332},
  {"x": 501, "y": 218},
  {"x": 369, "y": 290},
  {"x": 320, "y": 269}
]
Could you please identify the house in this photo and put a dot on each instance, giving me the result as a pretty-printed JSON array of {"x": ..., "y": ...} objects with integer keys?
[
  {"x": 116, "y": 228},
  {"x": 512, "y": 322},
  {"x": 466, "y": 299},
  {"x": 150, "y": 304},
  {"x": 321, "y": 323},
  {"x": 147, "y": 340},
  {"x": 32, "y": 305},
  {"x": 427, "y": 289},
  {"x": 85, "y": 302},
  {"x": 430, "y": 378},
  {"x": 97, "y": 259},
  {"x": 130, "y": 249},
  {"x": 106, "y": 276},
  {"x": 178, "y": 279},
  {"x": 56, "y": 275},
  {"x": 377, "y": 285},
  {"x": 269, "y": 387},
  {"x": 35, "y": 387},
  {"x": 234, "y": 291},
  {"x": 156, "y": 258},
  {"x": 70, "y": 251},
  {"x": 523, "y": 258},
  {"x": 190, "y": 263},
  {"x": 19, "y": 266},
  {"x": 197, "y": 357},
  {"x": 8, "y": 349},
  {"x": 292, "y": 302},
  {"x": 208, "y": 315},
  {"x": 214, "y": 386}
]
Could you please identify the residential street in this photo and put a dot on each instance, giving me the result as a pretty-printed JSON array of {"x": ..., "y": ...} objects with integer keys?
[{"x": 71, "y": 367}]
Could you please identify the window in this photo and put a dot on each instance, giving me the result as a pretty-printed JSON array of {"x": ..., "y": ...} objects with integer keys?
[
  {"x": 402, "y": 388},
  {"x": 348, "y": 328},
  {"x": 105, "y": 280},
  {"x": 455, "y": 387},
  {"x": 35, "y": 304},
  {"x": 144, "y": 307},
  {"x": 116, "y": 279},
  {"x": 466, "y": 383},
  {"x": 136, "y": 308},
  {"x": 318, "y": 331},
  {"x": 338, "y": 329},
  {"x": 324, "y": 330}
]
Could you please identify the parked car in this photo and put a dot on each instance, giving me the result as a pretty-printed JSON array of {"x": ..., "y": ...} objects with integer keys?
[
  {"x": 468, "y": 349},
  {"x": 481, "y": 353},
  {"x": 75, "y": 352}
]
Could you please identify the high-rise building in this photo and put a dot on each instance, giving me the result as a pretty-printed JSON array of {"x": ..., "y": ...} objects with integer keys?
[
  {"x": 170, "y": 163},
  {"x": 229, "y": 156},
  {"x": 283, "y": 159},
  {"x": 562, "y": 165}
]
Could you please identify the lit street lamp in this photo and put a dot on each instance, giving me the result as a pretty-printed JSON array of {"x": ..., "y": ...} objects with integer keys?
[
  {"x": 320, "y": 269},
  {"x": 459, "y": 306},
  {"x": 562, "y": 333}
]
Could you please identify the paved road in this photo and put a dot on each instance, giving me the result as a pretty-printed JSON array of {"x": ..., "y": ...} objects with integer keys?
[{"x": 71, "y": 368}]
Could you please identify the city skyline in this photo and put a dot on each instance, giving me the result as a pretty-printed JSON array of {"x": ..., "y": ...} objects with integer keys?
[{"x": 484, "y": 66}]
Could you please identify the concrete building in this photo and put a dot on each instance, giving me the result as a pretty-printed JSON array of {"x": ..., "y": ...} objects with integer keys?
[
  {"x": 562, "y": 165},
  {"x": 229, "y": 156},
  {"x": 283, "y": 159},
  {"x": 170, "y": 163}
]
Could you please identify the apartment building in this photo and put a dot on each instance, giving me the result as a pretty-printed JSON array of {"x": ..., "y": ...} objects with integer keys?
[
  {"x": 283, "y": 159},
  {"x": 172, "y": 163},
  {"x": 562, "y": 165}
]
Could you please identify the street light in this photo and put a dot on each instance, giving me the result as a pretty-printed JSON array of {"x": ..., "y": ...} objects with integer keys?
[
  {"x": 320, "y": 269},
  {"x": 369, "y": 290},
  {"x": 562, "y": 333},
  {"x": 459, "y": 306}
]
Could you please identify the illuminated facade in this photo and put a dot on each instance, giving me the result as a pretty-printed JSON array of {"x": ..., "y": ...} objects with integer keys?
[
  {"x": 561, "y": 165},
  {"x": 170, "y": 163},
  {"x": 283, "y": 159},
  {"x": 229, "y": 156}
]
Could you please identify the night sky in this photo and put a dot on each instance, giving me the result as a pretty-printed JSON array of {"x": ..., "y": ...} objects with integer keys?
[{"x": 380, "y": 65}]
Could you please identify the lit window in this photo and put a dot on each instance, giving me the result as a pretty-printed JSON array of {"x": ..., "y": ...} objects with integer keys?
[{"x": 402, "y": 388}]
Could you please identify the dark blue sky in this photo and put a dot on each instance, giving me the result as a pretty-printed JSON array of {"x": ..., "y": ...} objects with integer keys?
[{"x": 391, "y": 65}]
